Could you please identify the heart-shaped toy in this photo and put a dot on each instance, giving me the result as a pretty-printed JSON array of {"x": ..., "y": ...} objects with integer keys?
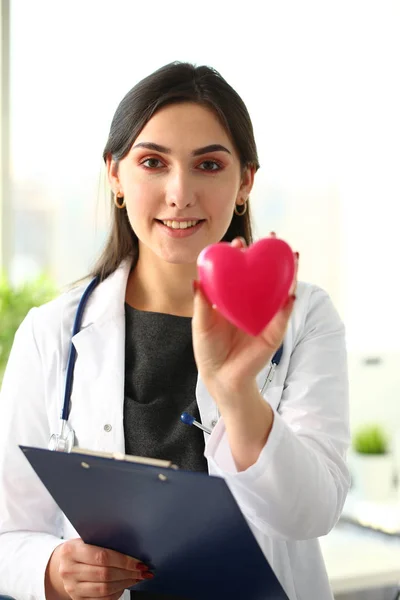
[{"x": 247, "y": 285}]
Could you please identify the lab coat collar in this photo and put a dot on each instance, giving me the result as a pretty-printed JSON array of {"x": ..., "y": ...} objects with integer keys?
[
  {"x": 100, "y": 367},
  {"x": 107, "y": 301},
  {"x": 101, "y": 339}
]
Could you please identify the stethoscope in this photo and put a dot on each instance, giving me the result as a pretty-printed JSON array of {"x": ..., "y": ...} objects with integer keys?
[{"x": 65, "y": 440}]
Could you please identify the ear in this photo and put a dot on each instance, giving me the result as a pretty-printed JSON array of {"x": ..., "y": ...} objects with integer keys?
[
  {"x": 112, "y": 174},
  {"x": 246, "y": 184}
]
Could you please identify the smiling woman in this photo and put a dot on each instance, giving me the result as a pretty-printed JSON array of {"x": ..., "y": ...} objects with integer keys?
[{"x": 181, "y": 160}]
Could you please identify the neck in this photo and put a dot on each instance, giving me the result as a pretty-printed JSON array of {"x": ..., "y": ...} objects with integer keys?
[{"x": 157, "y": 286}]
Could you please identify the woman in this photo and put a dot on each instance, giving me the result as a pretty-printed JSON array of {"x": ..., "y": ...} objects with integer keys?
[{"x": 181, "y": 160}]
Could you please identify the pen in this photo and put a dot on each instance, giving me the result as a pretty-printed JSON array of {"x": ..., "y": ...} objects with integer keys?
[{"x": 189, "y": 420}]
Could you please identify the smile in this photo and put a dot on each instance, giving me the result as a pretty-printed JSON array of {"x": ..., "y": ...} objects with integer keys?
[
  {"x": 180, "y": 229},
  {"x": 180, "y": 224}
]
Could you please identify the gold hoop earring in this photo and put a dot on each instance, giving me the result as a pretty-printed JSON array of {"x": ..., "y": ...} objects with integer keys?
[
  {"x": 240, "y": 213},
  {"x": 116, "y": 202}
]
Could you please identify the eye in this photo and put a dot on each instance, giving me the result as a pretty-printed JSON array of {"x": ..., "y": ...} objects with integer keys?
[
  {"x": 210, "y": 165},
  {"x": 152, "y": 163}
]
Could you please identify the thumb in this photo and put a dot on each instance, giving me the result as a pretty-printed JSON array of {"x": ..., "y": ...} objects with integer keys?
[
  {"x": 275, "y": 331},
  {"x": 204, "y": 315}
]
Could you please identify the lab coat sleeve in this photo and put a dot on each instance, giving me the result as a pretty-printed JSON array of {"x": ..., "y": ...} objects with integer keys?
[
  {"x": 29, "y": 518},
  {"x": 297, "y": 487}
]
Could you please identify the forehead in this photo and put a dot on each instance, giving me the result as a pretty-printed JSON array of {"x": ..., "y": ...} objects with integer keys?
[{"x": 186, "y": 124}]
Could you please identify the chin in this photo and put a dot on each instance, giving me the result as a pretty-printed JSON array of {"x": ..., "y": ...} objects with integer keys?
[
  {"x": 185, "y": 256},
  {"x": 180, "y": 260}
]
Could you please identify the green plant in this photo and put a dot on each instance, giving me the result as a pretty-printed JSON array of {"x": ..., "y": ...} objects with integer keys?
[
  {"x": 371, "y": 439},
  {"x": 15, "y": 303}
]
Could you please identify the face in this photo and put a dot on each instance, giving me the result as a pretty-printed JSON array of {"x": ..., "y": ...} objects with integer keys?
[{"x": 181, "y": 181}]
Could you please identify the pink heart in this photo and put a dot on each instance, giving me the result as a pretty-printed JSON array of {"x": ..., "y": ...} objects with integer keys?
[{"x": 247, "y": 286}]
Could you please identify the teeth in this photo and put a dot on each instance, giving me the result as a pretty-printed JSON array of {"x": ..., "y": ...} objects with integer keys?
[{"x": 180, "y": 224}]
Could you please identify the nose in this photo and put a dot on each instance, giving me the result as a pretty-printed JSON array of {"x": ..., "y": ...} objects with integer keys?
[{"x": 180, "y": 191}]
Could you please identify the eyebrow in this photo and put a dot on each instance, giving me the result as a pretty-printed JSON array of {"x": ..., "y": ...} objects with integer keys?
[{"x": 197, "y": 152}]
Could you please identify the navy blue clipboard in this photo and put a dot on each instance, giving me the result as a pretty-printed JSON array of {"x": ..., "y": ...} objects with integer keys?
[{"x": 186, "y": 525}]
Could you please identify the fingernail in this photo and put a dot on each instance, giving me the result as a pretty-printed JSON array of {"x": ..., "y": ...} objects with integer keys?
[
  {"x": 148, "y": 575},
  {"x": 297, "y": 255},
  {"x": 195, "y": 284},
  {"x": 290, "y": 300},
  {"x": 142, "y": 567}
]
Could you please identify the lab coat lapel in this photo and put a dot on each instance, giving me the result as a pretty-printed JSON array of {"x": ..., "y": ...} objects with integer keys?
[{"x": 98, "y": 391}]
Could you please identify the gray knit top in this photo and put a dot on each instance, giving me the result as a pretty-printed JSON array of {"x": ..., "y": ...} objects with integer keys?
[{"x": 160, "y": 383}]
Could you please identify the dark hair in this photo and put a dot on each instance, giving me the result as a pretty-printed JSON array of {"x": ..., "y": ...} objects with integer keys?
[{"x": 176, "y": 82}]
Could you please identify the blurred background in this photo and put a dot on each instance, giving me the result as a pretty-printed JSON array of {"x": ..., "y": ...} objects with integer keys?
[{"x": 321, "y": 82}]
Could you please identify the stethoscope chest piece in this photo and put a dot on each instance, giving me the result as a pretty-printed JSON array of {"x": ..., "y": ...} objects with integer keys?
[{"x": 64, "y": 441}]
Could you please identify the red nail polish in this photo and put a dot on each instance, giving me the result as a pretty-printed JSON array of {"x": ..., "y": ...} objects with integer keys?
[
  {"x": 297, "y": 255},
  {"x": 147, "y": 575},
  {"x": 290, "y": 300},
  {"x": 142, "y": 567},
  {"x": 195, "y": 284}
]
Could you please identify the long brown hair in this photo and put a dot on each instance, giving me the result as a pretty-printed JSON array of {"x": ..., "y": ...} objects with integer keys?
[{"x": 176, "y": 82}]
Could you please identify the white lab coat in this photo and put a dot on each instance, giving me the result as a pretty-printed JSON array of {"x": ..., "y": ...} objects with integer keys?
[{"x": 290, "y": 496}]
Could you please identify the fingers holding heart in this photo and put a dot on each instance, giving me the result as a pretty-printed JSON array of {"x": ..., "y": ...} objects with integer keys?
[
  {"x": 247, "y": 301},
  {"x": 292, "y": 291},
  {"x": 293, "y": 288},
  {"x": 239, "y": 242},
  {"x": 274, "y": 332}
]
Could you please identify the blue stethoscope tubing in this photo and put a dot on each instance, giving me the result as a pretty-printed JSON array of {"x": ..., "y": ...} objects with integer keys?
[
  {"x": 72, "y": 350},
  {"x": 64, "y": 441}
]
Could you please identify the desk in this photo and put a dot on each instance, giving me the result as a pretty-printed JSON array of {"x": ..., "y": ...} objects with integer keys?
[{"x": 358, "y": 559}]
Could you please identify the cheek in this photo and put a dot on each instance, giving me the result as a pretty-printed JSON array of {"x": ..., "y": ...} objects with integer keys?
[
  {"x": 141, "y": 198},
  {"x": 221, "y": 198},
  {"x": 136, "y": 188},
  {"x": 137, "y": 207}
]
